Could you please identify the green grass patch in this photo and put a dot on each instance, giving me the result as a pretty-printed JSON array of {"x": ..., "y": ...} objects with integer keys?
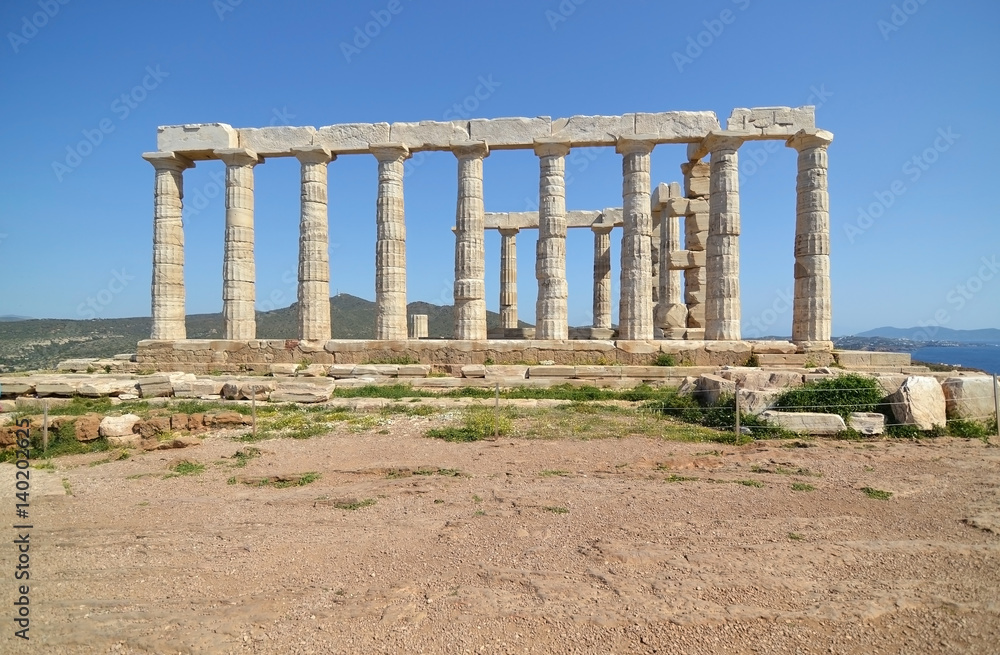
[
  {"x": 354, "y": 504},
  {"x": 306, "y": 478},
  {"x": 478, "y": 423},
  {"x": 243, "y": 456},
  {"x": 877, "y": 494},
  {"x": 750, "y": 483},
  {"x": 664, "y": 359},
  {"x": 840, "y": 395},
  {"x": 795, "y": 536},
  {"x": 556, "y": 510},
  {"x": 550, "y": 473},
  {"x": 187, "y": 468},
  {"x": 116, "y": 456},
  {"x": 679, "y": 478},
  {"x": 802, "y": 486}
]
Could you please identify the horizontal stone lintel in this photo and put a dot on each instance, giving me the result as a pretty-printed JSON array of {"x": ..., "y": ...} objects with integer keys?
[
  {"x": 609, "y": 217},
  {"x": 198, "y": 141}
]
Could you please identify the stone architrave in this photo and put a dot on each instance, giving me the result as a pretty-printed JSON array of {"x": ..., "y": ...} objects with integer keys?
[
  {"x": 238, "y": 268},
  {"x": 551, "y": 311},
  {"x": 470, "y": 248},
  {"x": 508, "y": 278},
  {"x": 635, "y": 321},
  {"x": 314, "y": 244},
  {"x": 602, "y": 276},
  {"x": 812, "y": 312},
  {"x": 167, "y": 289},
  {"x": 390, "y": 244},
  {"x": 722, "y": 301}
]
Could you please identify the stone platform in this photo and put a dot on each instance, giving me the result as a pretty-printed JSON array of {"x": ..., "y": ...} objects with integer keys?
[{"x": 257, "y": 355}]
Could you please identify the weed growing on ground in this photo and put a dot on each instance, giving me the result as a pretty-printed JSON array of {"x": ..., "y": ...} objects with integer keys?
[
  {"x": 557, "y": 510},
  {"x": 185, "y": 468},
  {"x": 354, "y": 504},
  {"x": 877, "y": 494},
  {"x": 802, "y": 486}
]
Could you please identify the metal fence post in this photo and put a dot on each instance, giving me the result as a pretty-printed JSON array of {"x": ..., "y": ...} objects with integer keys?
[{"x": 737, "y": 401}]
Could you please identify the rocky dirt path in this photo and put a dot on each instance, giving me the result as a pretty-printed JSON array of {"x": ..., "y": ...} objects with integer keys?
[{"x": 410, "y": 544}]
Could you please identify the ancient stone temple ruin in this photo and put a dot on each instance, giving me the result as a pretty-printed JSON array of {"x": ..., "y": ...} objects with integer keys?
[{"x": 680, "y": 263}]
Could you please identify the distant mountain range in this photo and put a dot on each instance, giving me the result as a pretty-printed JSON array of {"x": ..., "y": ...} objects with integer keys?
[
  {"x": 936, "y": 334},
  {"x": 28, "y": 344}
]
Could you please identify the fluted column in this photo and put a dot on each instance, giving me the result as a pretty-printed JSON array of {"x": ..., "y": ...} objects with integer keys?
[
  {"x": 238, "y": 268},
  {"x": 167, "y": 289},
  {"x": 470, "y": 246},
  {"x": 602, "y": 277},
  {"x": 812, "y": 312},
  {"x": 671, "y": 313},
  {"x": 722, "y": 302},
  {"x": 508, "y": 278},
  {"x": 314, "y": 245},
  {"x": 551, "y": 312},
  {"x": 390, "y": 244},
  {"x": 635, "y": 319}
]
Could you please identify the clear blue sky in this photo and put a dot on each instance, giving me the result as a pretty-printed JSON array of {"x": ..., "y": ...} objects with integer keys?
[{"x": 887, "y": 82}]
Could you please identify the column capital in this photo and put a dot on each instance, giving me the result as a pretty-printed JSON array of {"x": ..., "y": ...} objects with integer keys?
[
  {"x": 635, "y": 145},
  {"x": 313, "y": 154},
  {"x": 814, "y": 138},
  {"x": 508, "y": 231},
  {"x": 238, "y": 156},
  {"x": 551, "y": 147},
  {"x": 598, "y": 228},
  {"x": 470, "y": 149},
  {"x": 389, "y": 152},
  {"x": 168, "y": 161},
  {"x": 714, "y": 142}
]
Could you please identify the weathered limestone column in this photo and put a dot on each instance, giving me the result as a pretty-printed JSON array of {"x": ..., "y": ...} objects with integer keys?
[
  {"x": 671, "y": 312},
  {"x": 314, "y": 244},
  {"x": 722, "y": 301},
  {"x": 238, "y": 268},
  {"x": 696, "y": 187},
  {"x": 167, "y": 289},
  {"x": 418, "y": 326},
  {"x": 636, "y": 308},
  {"x": 390, "y": 244},
  {"x": 551, "y": 312},
  {"x": 508, "y": 278},
  {"x": 470, "y": 248},
  {"x": 812, "y": 314},
  {"x": 602, "y": 276},
  {"x": 654, "y": 256}
]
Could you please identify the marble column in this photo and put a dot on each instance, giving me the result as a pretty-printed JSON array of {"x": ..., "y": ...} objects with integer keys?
[
  {"x": 314, "y": 245},
  {"x": 602, "y": 277},
  {"x": 673, "y": 311},
  {"x": 167, "y": 290},
  {"x": 418, "y": 326},
  {"x": 390, "y": 243},
  {"x": 238, "y": 268},
  {"x": 470, "y": 247},
  {"x": 508, "y": 278},
  {"x": 812, "y": 312},
  {"x": 551, "y": 311},
  {"x": 696, "y": 187},
  {"x": 636, "y": 308},
  {"x": 722, "y": 301}
]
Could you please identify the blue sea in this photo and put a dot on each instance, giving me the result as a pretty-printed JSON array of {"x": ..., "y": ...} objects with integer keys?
[{"x": 985, "y": 357}]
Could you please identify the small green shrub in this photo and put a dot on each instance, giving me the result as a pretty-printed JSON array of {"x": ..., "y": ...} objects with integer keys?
[
  {"x": 840, "y": 395},
  {"x": 664, "y": 359},
  {"x": 802, "y": 486},
  {"x": 752, "y": 361},
  {"x": 969, "y": 429},
  {"x": 480, "y": 423},
  {"x": 877, "y": 494}
]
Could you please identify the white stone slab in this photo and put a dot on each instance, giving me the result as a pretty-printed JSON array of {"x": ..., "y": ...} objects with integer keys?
[
  {"x": 677, "y": 126},
  {"x": 351, "y": 138},
  {"x": 507, "y": 133},
  {"x": 764, "y": 122},
  {"x": 580, "y": 131},
  {"x": 275, "y": 141},
  {"x": 196, "y": 140},
  {"x": 429, "y": 135},
  {"x": 806, "y": 422}
]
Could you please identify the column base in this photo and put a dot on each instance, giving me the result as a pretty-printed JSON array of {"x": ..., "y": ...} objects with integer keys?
[
  {"x": 511, "y": 333},
  {"x": 600, "y": 334}
]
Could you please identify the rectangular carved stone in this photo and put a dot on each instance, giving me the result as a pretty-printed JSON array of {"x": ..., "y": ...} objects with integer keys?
[
  {"x": 767, "y": 122},
  {"x": 593, "y": 130},
  {"x": 196, "y": 140},
  {"x": 429, "y": 135},
  {"x": 505, "y": 133},
  {"x": 677, "y": 126},
  {"x": 351, "y": 138},
  {"x": 275, "y": 141}
]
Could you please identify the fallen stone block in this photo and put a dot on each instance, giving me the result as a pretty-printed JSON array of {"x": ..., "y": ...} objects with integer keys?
[
  {"x": 313, "y": 371},
  {"x": 109, "y": 387},
  {"x": 11, "y": 387},
  {"x": 920, "y": 402},
  {"x": 87, "y": 427},
  {"x": 551, "y": 371},
  {"x": 118, "y": 426},
  {"x": 55, "y": 387},
  {"x": 711, "y": 388},
  {"x": 170, "y": 444},
  {"x": 414, "y": 370},
  {"x": 755, "y": 401},
  {"x": 283, "y": 370},
  {"x": 867, "y": 423},
  {"x": 155, "y": 386},
  {"x": 302, "y": 392},
  {"x": 474, "y": 371},
  {"x": 812, "y": 423},
  {"x": 80, "y": 365},
  {"x": 258, "y": 389},
  {"x": 125, "y": 441},
  {"x": 152, "y": 427},
  {"x": 970, "y": 397},
  {"x": 226, "y": 420},
  {"x": 340, "y": 370}
]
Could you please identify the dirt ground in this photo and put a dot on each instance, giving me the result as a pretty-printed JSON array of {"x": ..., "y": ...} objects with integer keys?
[{"x": 520, "y": 545}]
